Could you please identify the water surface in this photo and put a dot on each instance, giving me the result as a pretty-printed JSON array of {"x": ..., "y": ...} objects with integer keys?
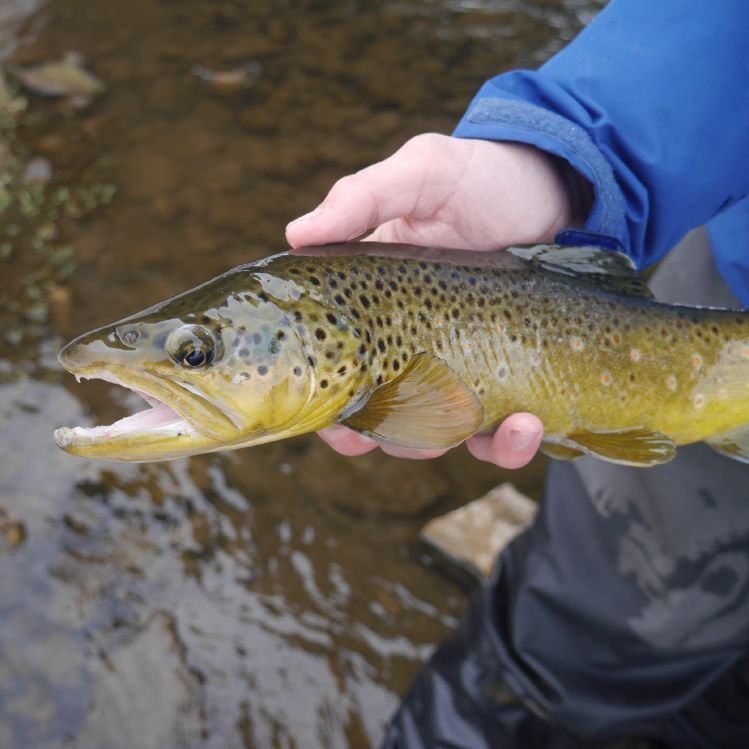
[{"x": 271, "y": 597}]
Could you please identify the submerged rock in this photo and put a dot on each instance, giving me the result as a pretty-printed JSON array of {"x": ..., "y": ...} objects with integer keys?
[
  {"x": 38, "y": 169},
  {"x": 66, "y": 77},
  {"x": 242, "y": 76},
  {"x": 144, "y": 693},
  {"x": 472, "y": 536}
]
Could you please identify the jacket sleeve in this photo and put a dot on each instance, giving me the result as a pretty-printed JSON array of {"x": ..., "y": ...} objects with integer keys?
[{"x": 650, "y": 103}]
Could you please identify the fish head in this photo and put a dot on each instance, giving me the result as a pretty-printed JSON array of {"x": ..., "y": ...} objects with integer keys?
[{"x": 222, "y": 366}]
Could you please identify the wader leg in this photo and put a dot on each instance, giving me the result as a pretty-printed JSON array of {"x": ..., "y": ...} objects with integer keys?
[{"x": 623, "y": 611}]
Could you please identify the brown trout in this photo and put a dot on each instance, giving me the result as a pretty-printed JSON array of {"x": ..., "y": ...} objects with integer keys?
[{"x": 422, "y": 347}]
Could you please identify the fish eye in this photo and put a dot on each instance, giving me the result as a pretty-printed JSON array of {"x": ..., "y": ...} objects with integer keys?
[{"x": 192, "y": 346}]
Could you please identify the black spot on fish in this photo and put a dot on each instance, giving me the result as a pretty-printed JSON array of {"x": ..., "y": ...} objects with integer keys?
[
  {"x": 297, "y": 371},
  {"x": 244, "y": 353},
  {"x": 323, "y": 383},
  {"x": 262, "y": 370},
  {"x": 320, "y": 334}
]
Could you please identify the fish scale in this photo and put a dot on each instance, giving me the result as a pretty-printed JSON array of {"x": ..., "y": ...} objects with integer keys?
[{"x": 422, "y": 347}]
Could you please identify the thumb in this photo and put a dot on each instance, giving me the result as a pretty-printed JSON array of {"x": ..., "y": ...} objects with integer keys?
[{"x": 384, "y": 191}]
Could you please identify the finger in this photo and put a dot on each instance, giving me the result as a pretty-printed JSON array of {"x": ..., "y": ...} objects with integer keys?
[
  {"x": 346, "y": 441},
  {"x": 384, "y": 191},
  {"x": 514, "y": 443}
]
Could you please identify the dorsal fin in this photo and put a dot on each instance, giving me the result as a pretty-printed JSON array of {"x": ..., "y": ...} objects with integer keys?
[
  {"x": 427, "y": 407},
  {"x": 605, "y": 269}
]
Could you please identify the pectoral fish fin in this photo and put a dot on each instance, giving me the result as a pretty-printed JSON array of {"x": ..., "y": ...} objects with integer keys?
[
  {"x": 605, "y": 269},
  {"x": 733, "y": 444},
  {"x": 428, "y": 407},
  {"x": 630, "y": 447},
  {"x": 560, "y": 452}
]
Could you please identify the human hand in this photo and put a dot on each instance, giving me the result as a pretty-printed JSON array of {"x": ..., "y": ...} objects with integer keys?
[{"x": 450, "y": 192}]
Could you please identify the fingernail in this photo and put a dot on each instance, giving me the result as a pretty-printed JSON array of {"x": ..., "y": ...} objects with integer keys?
[
  {"x": 522, "y": 440},
  {"x": 308, "y": 216}
]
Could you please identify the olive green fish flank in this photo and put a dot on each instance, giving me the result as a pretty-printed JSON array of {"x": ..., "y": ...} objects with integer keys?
[{"x": 422, "y": 347}]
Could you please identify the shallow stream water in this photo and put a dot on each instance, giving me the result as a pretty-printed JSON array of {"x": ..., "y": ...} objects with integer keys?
[{"x": 276, "y": 596}]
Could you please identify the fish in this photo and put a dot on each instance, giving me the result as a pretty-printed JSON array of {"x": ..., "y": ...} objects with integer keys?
[{"x": 422, "y": 348}]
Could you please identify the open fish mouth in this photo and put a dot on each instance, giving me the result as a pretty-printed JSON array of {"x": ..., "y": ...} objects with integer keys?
[{"x": 159, "y": 419}]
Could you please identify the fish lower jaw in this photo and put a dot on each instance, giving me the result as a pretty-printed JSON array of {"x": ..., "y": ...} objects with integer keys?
[{"x": 158, "y": 421}]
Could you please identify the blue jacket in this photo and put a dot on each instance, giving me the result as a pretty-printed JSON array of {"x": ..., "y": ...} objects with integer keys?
[{"x": 651, "y": 104}]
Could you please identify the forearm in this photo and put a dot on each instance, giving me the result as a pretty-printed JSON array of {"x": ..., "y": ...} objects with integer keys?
[{"x": 636, "y": 104}]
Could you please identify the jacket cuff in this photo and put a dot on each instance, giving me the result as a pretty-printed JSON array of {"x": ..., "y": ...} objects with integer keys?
[{"x": 509, "y": 119}]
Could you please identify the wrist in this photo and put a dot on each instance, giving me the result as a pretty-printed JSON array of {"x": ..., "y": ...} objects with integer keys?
[{"x": 577, "y": 189}]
